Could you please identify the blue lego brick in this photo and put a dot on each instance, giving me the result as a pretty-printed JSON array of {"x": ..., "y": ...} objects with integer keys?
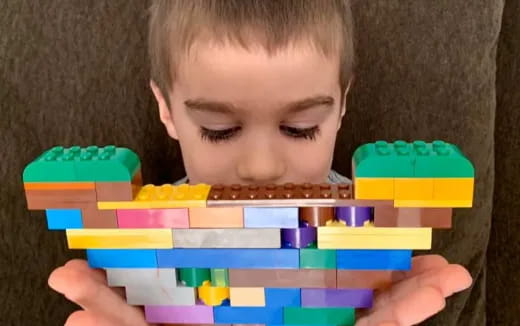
[
  {"x": 228, "y": 258},
  {"x": 271, "y": 217},
  {"x": 278, "y": 297},
  {"x": 248, "y": 315},
  {"x": 380, "y": 259},
  {"x": 62, "y": 219},
  {"x": 122, "y": 258}
]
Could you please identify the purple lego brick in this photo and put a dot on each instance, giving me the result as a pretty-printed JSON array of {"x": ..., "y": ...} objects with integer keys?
[
  {"x": 198, "y": 314},
  {"x": 355, "y": 298},
  {"x": 300, "y": 237},
  {"x": 354, "y": 216}
]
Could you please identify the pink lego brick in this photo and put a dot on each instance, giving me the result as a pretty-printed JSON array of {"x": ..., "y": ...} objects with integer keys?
[
  {"x": 153, "y": 218},
  {"x": 198, "y": 314}
]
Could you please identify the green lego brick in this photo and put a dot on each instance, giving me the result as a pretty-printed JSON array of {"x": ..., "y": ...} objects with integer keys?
[
  {"x": 384, "y": 160},
  {"x": 219, "y": 277},
  {"x": 193, "y": 277},
  {"x": 79, "y": 164},
  {"x": 441, "y": 160},
  {"x": 318, "y": 258},
  {"x": 318, "y": 316}
]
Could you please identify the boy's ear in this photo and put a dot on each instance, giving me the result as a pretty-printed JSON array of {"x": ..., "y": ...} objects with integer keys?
[
  {"x": 164, "y": 111},
  {"x": 344, "y": 102}
]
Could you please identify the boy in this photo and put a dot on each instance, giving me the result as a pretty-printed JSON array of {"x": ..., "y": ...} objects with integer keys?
[{"x": 255, "y": 92}]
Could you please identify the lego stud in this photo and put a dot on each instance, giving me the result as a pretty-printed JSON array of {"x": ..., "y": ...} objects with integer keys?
[
  {"x": 354, "y": 216},
  {"x": 316, "y": 216}
]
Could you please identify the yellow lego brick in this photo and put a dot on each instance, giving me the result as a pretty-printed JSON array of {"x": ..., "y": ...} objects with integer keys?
[
  {"x": 212, "y": 296},
  {"x": 247, "y": 297},
  {"x": 453, "y": 189},
  {"x": 165, "y": 196},
  {"x": 119, "y": 238},
  {"x": 374, "y": 188},
  {"x": 413, "y": 188},
  {"x": 374, "y": 238},
  {"x": 434, "y": 203}
]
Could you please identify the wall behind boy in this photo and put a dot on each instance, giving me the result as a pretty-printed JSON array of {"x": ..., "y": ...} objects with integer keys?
[{"x": 76, "y": 73}]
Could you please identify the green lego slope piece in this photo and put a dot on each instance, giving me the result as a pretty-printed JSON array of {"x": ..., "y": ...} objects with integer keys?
[
  {"x": 318, "y": 316},
  {"x": 441, "y": 160},
  {"x": 193, "y": 277},
  {"x": 219, "y": 277},
  {"x": 384, "y": 160},
  {"x": 318, "y": 258},
  {"x": 76, "y": 164}
]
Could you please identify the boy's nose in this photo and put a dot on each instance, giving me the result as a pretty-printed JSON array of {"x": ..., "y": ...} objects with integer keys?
[{"x": 261, "y": 163}]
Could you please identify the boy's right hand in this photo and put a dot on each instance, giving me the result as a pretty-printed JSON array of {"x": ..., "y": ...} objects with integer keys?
[{"x": 102, "y": 306}]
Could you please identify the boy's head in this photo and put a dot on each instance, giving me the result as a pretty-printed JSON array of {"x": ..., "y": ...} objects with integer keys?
[{"x": 254, "y": 91}]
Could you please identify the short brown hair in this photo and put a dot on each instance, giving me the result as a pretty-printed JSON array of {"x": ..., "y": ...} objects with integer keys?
[{"x": 176, "y": 24}]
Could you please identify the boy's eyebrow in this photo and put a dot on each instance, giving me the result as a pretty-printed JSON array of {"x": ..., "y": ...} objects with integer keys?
[{"x": 226, "y": 107}]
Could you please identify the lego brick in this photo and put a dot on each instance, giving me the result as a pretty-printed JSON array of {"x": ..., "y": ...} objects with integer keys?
[
  {"x": 115, "y": 191},
  {"x": 153, "y": 218},
  {"x": 434, "y": 203},
  {"x": 59, "y": 185},
  {"x": 413, "y": 188},
  {"x": 354, "y": 216},
  {"x": 277, "y": 297},
  {"x": 119, "y": 238},
  {"x": 212, "y": 295},
  {"x": 270, "y": 217},
  {"x": 374, "y": 238},
  {"x": 61, "y": 219},
  {"x": 374, "y": 188},
  {"x": 141, "y": 277},
  {"x": 72, "y": 198},
  {"x": 453, "y": 189},
  {"x": 283, "y": 278},
  {"x": 165, "y": 196},
  {"x": 194, "y": 277},
  {"x": 216, "y": 217},
  {"x": 219, "y": 277},
  {"x": 93, "y": 218},
  {"x": 228, "y": 258},
  {"x": 122, "y": 258},
  {"x": 247, "y": 297},
  {"x": 319, "y": 316},
  {"x": 197, "y": 314},
  {"x": 226, "y": 238},
  {"x": 160, "y": 295},
  {"x": 374, "y": 259},
  {"x": 317, "y": 258},
  {"x": 364, "y": 279},
  {"x": 384, "y": 160},
  {"x": 388, "y": 216},
  {"x": 441, "y": 160},
  {"x": 316, "y": 216},
  {"x": 301, "y": 237},
  {"x": 355, "y": 298},
  {"x": 54, "y": 165},
  {"x": 247, "y": 315}
]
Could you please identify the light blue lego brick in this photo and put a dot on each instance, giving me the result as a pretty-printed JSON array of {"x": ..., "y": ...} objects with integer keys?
[
  {"x": 248, "y": 315},
  {"x": 380, "y": 259},
  {"x": 271, "y": 217},
  {"x": 228, "y": 258},
  {"x": 62, "y": 219},
  {"x": 122, "y": 258},
  {"x": 278, "y": 297}
]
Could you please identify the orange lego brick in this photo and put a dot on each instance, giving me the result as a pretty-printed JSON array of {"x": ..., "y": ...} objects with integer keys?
[
  {"x": 413, "y": 188},
  {"x": 374, "y": 188},
  {"x": 59, "y": 185},
  {"x": 453, "y": 189},
  {"x": 216, "y": 217}
]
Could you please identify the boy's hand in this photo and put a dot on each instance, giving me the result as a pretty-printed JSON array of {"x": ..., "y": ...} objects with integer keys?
[
  {"x": 102, "y": 306},
  {"x": 418, "y": 294}
]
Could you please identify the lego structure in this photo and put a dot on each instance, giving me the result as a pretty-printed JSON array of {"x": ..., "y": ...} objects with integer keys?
[{"x": 290, "y": 254}]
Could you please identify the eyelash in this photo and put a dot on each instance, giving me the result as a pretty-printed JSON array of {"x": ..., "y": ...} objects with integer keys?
[{"x": 217, "y": 136}]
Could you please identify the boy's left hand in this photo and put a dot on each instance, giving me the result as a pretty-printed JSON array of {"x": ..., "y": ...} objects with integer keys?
[{"x": 418, "y": 294}]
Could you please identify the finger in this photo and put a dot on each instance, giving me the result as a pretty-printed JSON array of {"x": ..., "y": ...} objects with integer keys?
[
  {"x": 448, "y": 280},
  {"x": 411, "y": 310},
  {"x": 82, "y": 265},
  {"x": 94, "y": 296},
  {"x": 420, "y": 264},
  {"x": 86, "y": 318}
]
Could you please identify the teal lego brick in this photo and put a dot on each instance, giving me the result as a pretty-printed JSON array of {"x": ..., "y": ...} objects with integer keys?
[
  {"x": 87, "y": 164},
  {"x": 384, "y": 160},
  {"x": 441, "y": 160},
  {"x": 318, "y": 258},
  {"x": 318, "y": 316},
  {"x": 219, "y": 277}
]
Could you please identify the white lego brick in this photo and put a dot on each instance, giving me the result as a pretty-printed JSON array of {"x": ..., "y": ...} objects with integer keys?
[
  {"x": 141, "y": 277},
  {"x": 158, "y": 295},
  {"x": 226, "y": 238}
]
